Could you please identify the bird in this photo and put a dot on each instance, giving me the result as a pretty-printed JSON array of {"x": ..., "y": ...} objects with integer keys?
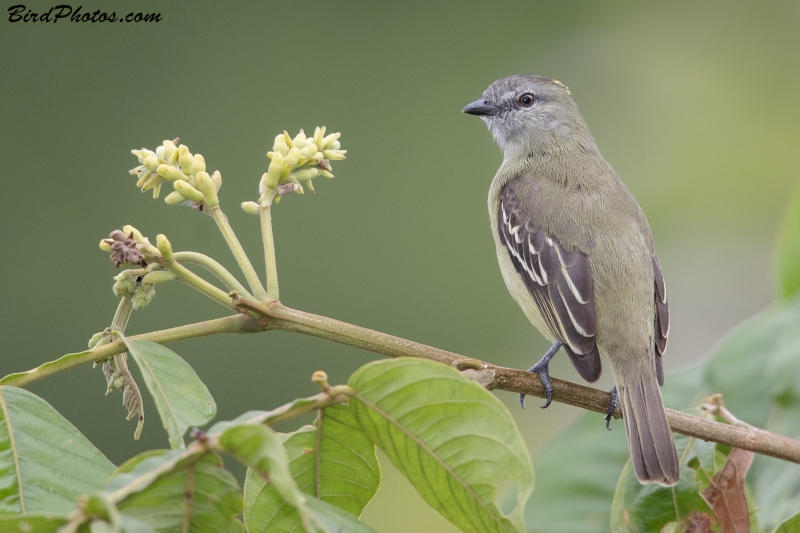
[{"x": 577, "y": 254}]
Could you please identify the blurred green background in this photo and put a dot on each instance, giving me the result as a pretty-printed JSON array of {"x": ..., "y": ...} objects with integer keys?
[{"x": 696, "y": 105}]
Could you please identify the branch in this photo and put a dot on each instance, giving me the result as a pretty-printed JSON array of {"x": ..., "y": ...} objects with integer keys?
[
  {"x": 277, "y": 316},
  {"x": 519, "y": 381}
]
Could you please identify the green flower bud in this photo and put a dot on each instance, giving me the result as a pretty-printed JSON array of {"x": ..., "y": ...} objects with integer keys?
[
  {"x": 310, "y": 186},
  {"x": 305, "y": 174},
  {"x": 187, "y": 191},
  {"x": 288, "y": 140},
  {"x": 280, "y": 145},
  {"x": 158, "y": 276},
  {"x": 325, "y": 174},
  {"x": 185, "y": 160},
  {"x": 198, "y": 164},
  {"x": 164, "y": 247},
  {"x": 206, "y": 186},
  {"x": 216, "y": 177},
  {"x": 157, "y": 190},
  {"x": 118, "y": 381},
  {"x": 336, "y": 145},
  {"x": 143, "y": 177},
  {"x": 154, "y": 180},
  {"x": 174, "y": 198},
  {"x": 309, "y": 151},
  {"x": 125, "y": 284},
  {"x": 151, "y": 162},
  {"x": 334, "y": 155},
  {"x": 319, "y": 133},
  {"x": 293, "y": 158},
  {"x": 170, "y": 173},
  {"x": 251, "y": 208},
  {"x": 327, "y": 142},
  {"x": 169, "y": 149},
  {"x": 143, "y": 295},
  {"x": 275, "y": 168},
  {"x": 300, "y": 139}
]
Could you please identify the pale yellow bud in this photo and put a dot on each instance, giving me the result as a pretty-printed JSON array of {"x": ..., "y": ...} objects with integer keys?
[
  {"x": 169, "y": 149},
  {"x": 305, "y": 174},
  {"x": 105, "y": 246},
  {"x": 160, "y": 152},
  {"x": 216, "y": 177},
  {"x": 164, "y": 247},
  {"x": 319, "y": 133},
  {"x": 170, "y": 173},
  {"x": 300, "y": 139},
  {"x": 336, "y": 145},
  {"x": 334, "y": 155},
  {"x": 325, "y": 174},
  {"x": 151, "y": 162},
  {"x": 198, "y": 164},
  {"x": 288, "y": 140},
  {"x": 144, "y": 177},
  {"x": 185, "y": 159},
  {"x": 328, "y": 141},
  {"x": 157, "y": 190},
  {"x": 310, "y": 186},
  {"x": 251, "y": 208},
  {"x": 206, "y": 187},
  {"x": 154, "y": 180},
  {"x": 274, "y": 172},
  {"x": 174, "y": 198},
  {"x": 280, "y": 145},
  {"x": 293, "y": 158},
  {"x": 187, "y": 191},
  {"x": 309, "y": 150}
]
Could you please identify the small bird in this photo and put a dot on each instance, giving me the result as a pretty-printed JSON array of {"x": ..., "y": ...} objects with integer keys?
[{"x": 577, "y": 255}]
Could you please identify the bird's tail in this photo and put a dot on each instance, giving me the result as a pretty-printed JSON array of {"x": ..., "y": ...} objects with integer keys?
[{"x": 655, "y": 459}]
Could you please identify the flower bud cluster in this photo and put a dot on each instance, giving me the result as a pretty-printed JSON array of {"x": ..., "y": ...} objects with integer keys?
[
  {"x": 186, "y": 171},
  {"x": 127, "y": 285},
  {"x": 296, "y": 161}
]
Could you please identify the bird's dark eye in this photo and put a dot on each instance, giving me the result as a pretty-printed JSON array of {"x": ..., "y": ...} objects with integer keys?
[{"x": 525, "y": 100}]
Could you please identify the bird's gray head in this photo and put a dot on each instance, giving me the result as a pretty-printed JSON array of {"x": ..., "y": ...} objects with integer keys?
[{"x": 526, "y": 113}]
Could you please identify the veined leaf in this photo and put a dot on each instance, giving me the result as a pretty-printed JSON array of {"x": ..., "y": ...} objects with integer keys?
[
  {"x": 335, "y": 519},
  {"x": 260, "y": 448},
  {"x": 453, "y": 440},
  {"x": 181, "y": 398},
  {"x": 46, "y": 464},
  {"x": 199, "y": 493},
  {"x": 31, "y": 524},
  {"x": 332, "y": 460}
]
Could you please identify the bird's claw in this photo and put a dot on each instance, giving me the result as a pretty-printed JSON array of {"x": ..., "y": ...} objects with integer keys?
[
  {"x": 544, "y": 376},
  {"x": 612, "y": 406}
]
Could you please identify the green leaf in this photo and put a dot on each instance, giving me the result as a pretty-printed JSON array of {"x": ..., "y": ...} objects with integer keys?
[
  {"x": 46, "y": 464},
  {"x": 129, "y": 525},
  {"x": 345, "y": 471},
  {"x": 791, "y": 525},
  {"x": 261, "y": 417},
  {"x": 334, "y": 518},
  {"x": 650, "y": 507},
  {"x": 162, "y": 504},
  {"x": 787, "y": 248},
  {"x": 453, "y": 440},
  {"x": 181, "y": 398},
  {"x": 31, "y": 524}
]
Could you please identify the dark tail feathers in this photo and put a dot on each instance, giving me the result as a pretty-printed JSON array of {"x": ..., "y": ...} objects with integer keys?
[{"x": 649, "y": 435}]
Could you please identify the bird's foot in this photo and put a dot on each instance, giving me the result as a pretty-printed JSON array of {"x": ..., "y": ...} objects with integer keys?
[
  {"x": 542, "y": 369},
  {"x": 611, "y": 407}
]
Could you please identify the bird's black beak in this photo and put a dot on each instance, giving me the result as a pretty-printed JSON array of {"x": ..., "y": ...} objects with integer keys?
[{"x": 481, "y": 108}]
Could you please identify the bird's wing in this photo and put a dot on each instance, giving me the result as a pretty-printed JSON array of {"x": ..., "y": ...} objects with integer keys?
[
  {"x": 560, "y": 282},
  {"x": 662, "y": 319}
]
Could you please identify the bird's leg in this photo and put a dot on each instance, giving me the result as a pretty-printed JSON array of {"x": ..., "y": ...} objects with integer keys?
[
  {"x": 611, "y": 407},
  {"x": 541, "y": 368}
]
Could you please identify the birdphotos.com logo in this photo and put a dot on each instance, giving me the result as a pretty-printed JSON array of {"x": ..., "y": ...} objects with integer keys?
[{"x": 67, "y": 13}]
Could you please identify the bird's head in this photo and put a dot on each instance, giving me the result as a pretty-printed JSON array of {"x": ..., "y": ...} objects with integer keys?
[{"x": 526, "y": 112}]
